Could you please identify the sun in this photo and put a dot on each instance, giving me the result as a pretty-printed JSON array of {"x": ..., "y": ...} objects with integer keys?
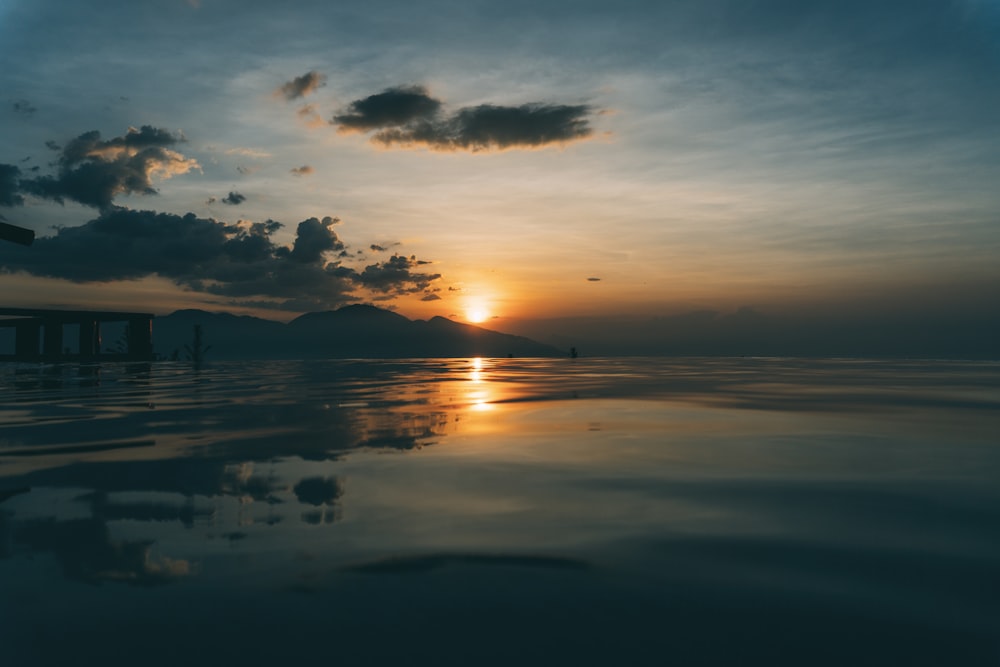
[{"x": 477, "y": 314}]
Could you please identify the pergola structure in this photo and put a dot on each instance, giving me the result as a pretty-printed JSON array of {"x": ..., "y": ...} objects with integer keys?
[{"x": 38, "y": 334}]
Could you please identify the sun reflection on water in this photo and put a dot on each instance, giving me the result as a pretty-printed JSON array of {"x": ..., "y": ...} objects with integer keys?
[{"x": 479, "y": 398}]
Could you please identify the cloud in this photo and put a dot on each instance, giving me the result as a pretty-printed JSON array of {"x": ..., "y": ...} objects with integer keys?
[
  {"x": 10, "y": 186},
  {"x": 92, "y": 171},
  {"x": 310, "y": 116},
  {"x": 392, "y": 107},
  {"x": 377, "y": 248},
  {"x": 249, "y": 152},
  {"x": 241, "y": 261},
  {"x": 396, "y": 276},
  {"x": 313, "y": 238},
  {"x": 409, "y": 116},
  {"x": 430, "y": 297},
  {"x": 304, "y": 170},
  {"x": 234, "y": 198},
  {"x": 301, "y": 86},
  {"x": 593, "y": 280},
  {"x": 24, "y": 107}
]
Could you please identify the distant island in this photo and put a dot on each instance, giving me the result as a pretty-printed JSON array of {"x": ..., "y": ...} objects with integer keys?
[{"x": 357, "y": 331}]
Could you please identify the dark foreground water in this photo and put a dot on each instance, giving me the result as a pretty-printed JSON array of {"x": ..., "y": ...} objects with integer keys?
[{"x": 501, "y": 512}]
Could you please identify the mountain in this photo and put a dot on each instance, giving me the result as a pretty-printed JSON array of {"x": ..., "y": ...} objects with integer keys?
[{"x": 358, "y": 331}]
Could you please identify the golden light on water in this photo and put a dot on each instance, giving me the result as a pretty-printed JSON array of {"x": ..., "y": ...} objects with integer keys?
[{"x": 479, "y": 397}]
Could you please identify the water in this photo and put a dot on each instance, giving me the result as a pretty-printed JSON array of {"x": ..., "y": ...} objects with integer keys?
[{"x": 622, "y": 512}]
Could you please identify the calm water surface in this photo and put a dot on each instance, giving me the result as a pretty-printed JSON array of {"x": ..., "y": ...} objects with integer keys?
[{"x": 615, "y": 512}]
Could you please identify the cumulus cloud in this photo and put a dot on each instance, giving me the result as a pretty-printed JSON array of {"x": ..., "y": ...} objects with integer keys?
[
  {"x": 313, "y": 238},
  {"x": 304, "y": 170},
  {"x": 301, "y": 86},
  {"x": 409, "y": 117},
  {"x": 241, "y": 260},
  {"x": 92, "y": 171},
  {"x": 234, "y": 198}
]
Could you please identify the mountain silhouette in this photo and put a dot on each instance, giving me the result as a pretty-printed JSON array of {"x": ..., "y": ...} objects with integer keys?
[{"x": 352, "y": 332}]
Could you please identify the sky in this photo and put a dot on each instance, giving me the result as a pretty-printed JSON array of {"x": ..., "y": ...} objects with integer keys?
[{"x": 610, "y": 172}]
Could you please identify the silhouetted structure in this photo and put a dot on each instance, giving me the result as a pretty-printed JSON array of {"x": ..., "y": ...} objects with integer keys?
[
  {"x": 16, "y": 234},
  {"x": 32, "y": 325}
]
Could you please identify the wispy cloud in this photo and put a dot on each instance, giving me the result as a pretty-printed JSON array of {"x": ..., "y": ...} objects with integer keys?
[
  {"x": 24, "y": 107},
  {"x": 249, "y": 152}
]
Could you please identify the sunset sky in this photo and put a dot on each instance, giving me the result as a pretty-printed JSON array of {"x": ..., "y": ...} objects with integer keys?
[{"x": 538, "y": 165}]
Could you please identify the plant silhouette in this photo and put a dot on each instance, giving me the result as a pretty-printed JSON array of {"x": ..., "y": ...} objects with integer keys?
[{"x": 197, "y": 350}]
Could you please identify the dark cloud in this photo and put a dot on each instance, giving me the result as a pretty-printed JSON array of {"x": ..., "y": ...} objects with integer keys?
[
  {"x": 241, "y": 260},
  {"x": 377, "y": 248},
  {"x": 301, "y": 86},
  {"x": 487, "y": 127},
  {"x": 92, "y": 171},
  {"x": 593, "y": 280},
  {"x": 24, "y": 107},
  {"x": 392, "y": 107},
  {"x": 234, "y": 198},
  {"x": 430, "y": 297},
  {"x": 304, "y": 170},
  {"x": 408, "y": 116},
  {"x": 313, "y": 238},
  {"x": 396, "y": 276},
  {"x": 10, "y": 185}
]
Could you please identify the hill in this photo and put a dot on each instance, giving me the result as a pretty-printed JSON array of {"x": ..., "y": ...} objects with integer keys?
[{"x": 351, "y": 332}]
